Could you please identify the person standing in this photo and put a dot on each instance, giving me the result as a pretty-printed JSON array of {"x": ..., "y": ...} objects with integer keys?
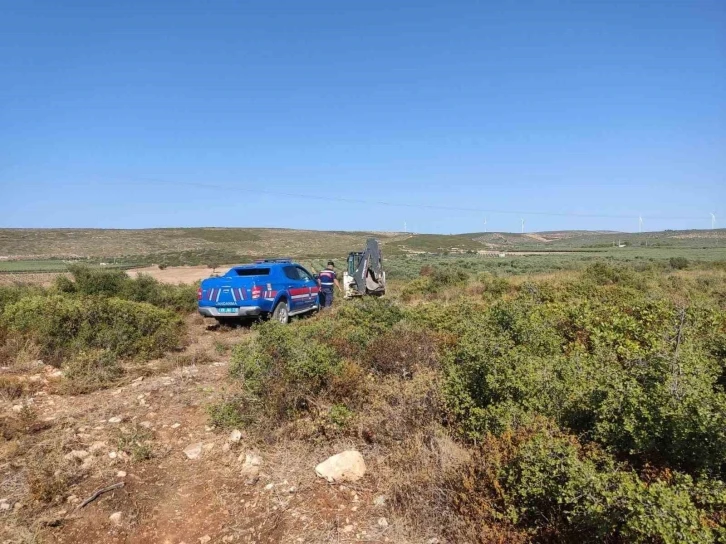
[{"x": 327, "y": 279}]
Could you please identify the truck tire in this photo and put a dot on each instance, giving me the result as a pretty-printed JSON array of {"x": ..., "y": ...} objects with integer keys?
[{"x": 281, "y": 313}]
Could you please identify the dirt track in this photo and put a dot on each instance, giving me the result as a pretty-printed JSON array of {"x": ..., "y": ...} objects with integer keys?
[{"x": 170, "y": 498}]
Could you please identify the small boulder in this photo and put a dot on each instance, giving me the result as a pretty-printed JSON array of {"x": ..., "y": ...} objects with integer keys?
[
  {"x": 116, "y": 419},
  {"x": 205, "y": 539},
  {"x": 347, "y": 466},
  {"x": 115, "y": 518},
  {"x": 382, "y": 523},
  {"x": 76, "y": 454},
  {"x": 235, "y": 436},
  {"x": 379, "y": 501},
  {"x": 121, "y": 474},
  {"x": 193, "y": 451}
]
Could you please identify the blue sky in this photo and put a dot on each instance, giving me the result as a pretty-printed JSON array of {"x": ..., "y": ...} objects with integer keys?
[{"x": 159, "y": 113}]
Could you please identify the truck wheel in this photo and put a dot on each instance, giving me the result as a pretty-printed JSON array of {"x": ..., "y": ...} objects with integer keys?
[{"x": 280, "y": 313}]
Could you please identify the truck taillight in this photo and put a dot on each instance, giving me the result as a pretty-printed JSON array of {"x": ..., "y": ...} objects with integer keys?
[
  {"x": 256, "y": 292},
  {"x": 199, "y": 294}
]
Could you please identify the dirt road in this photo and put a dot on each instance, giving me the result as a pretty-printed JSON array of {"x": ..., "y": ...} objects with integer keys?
[{"x": 94, "y": 440}]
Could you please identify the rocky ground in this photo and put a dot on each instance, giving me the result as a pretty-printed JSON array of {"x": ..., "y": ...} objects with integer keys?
[{"x": 177, "y": 479}]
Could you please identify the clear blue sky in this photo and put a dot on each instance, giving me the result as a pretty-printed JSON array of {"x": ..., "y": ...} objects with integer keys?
[{"x": 591, "y": 107}]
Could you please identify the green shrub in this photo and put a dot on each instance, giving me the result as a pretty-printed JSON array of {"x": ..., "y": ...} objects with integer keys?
[
  {"x": 286, "y": 366},
  {"x": 547, "y": 483},
  {"x": 228, "y": 413},
  {"x": 116, "y": 283},
  {"x": 62, "y": 326},
  {"x": 678, "y": 263}
]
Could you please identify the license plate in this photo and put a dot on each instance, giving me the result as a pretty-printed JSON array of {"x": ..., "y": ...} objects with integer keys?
[{"x": 227, "y": 310}]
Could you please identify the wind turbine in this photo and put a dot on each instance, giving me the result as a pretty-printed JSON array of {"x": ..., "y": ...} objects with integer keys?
[
  {"x": 485, "y": 225},
  {"x": 523, "y": 225},
  {"x": 405, "y": 228},
  {"x": 713, "y": 220},
  {"x": 640, "y": 224}
]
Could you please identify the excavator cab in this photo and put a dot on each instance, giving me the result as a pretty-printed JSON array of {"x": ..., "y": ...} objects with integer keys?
[{"x": 364, "y": 274}]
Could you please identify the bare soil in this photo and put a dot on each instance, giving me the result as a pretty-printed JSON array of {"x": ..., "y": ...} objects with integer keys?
[
  {"x": 169, "y": 498},
  {"x": 178, "y": 274}
]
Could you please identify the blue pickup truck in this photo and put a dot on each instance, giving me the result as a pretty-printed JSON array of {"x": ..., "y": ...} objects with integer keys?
[{"x": 278, "y": 288}]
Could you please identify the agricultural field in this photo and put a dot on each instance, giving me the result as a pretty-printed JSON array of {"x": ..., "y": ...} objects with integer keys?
[{"x": 570, "y": 396}]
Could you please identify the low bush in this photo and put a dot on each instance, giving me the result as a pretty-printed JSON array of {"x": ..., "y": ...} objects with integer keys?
[
  {"x": 62, "y": 326},
  {"x": 116, "y": 283},
  {"x": 90, "y": 370}
]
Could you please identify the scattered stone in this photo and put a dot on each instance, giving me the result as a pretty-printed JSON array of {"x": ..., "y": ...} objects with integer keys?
[
  {"x": 293, "y": 489},
  {"x": 382, "y": 522},
  {"x": 97, "y": 447},
  {"x": 193, "y": 451},
  {"x": 18, "y": 506},
  {"x": 116, "y": 419},
  {"x": 121, "y": 474},
  {"x": 269, "y": 487},
  {"x": 76, "y": 454},
  {"x": 379, "y": 501},
  {"x": 5, "y": 506},
  {"x": 18, "y": 408},
  {"x": 208, "y": 428},
  {"x": 139, "y": 379},
  {"x": 433, "y": 541},
  {"x": 205, "y": 539},
  {"x": 115, "y": 518},
  {"x": 209, "y": 447},
  {"x": 347, "y": 466},
  {"x": 348, "y": 529},
  {"x": 235, "y": 436},
  {"x": 176, "y": 425},
  {"x": 250, "y": 459},
  {"x": 146, "y": 424},
  {"x": 112, "y": 454},
  {"x": 72, "y": 499}
]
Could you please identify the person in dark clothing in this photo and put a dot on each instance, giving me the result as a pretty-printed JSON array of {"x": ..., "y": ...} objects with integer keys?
[{"x": 327, "y": 279}]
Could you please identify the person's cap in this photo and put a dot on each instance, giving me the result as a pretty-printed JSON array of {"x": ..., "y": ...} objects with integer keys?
[{"x": 331, "y": 263}]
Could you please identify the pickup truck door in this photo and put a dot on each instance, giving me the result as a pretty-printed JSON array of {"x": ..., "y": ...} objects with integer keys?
[
  {"x": 297, "y": 289},
  {"x": 311, "y": 284}
]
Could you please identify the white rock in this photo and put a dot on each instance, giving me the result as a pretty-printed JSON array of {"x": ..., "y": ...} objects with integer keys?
[
  {"x": 115, "y": 419},
  {"x": 97, "y": 446},
  {"x": 193, "y": 451},
  {"x": 348, "y": 529},
  {"x": 112, "y": 454},
  {"x": 115, "y": 518},
  {"x": 76, "y": 454},
  {"x": 18, "y": 408},
  {"x": 72, "y": 499},
  {"x": 269, "y": 487},
  {"x": 379, "y": 501},
  {"x": 382, "y": 522},
  {"x": 205, "y": 539},
  {"x": 176, "y": 425},
  {"x": 121, "y": 474},
  {"x": 5, "y": 506},
  {"x": 250, "y": 459},
  {"x": 347, "y": 466},
  {"x": 235, "y": 436},
  {"x": 146, "y": 424}
]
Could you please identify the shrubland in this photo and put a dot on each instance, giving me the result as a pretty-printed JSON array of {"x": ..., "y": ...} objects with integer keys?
[
  {"x": 588, "y": 406},
  {"x": 89, "y": 323}
]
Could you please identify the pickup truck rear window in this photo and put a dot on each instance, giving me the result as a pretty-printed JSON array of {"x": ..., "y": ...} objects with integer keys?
[{"x": 252, "y": 271}]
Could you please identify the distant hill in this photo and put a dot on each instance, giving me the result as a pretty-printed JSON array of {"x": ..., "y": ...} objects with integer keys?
[{"x": 235, "y": 243}]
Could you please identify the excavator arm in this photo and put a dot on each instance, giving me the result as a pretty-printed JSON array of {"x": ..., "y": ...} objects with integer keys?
[{"x": 364, "y": 274}]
